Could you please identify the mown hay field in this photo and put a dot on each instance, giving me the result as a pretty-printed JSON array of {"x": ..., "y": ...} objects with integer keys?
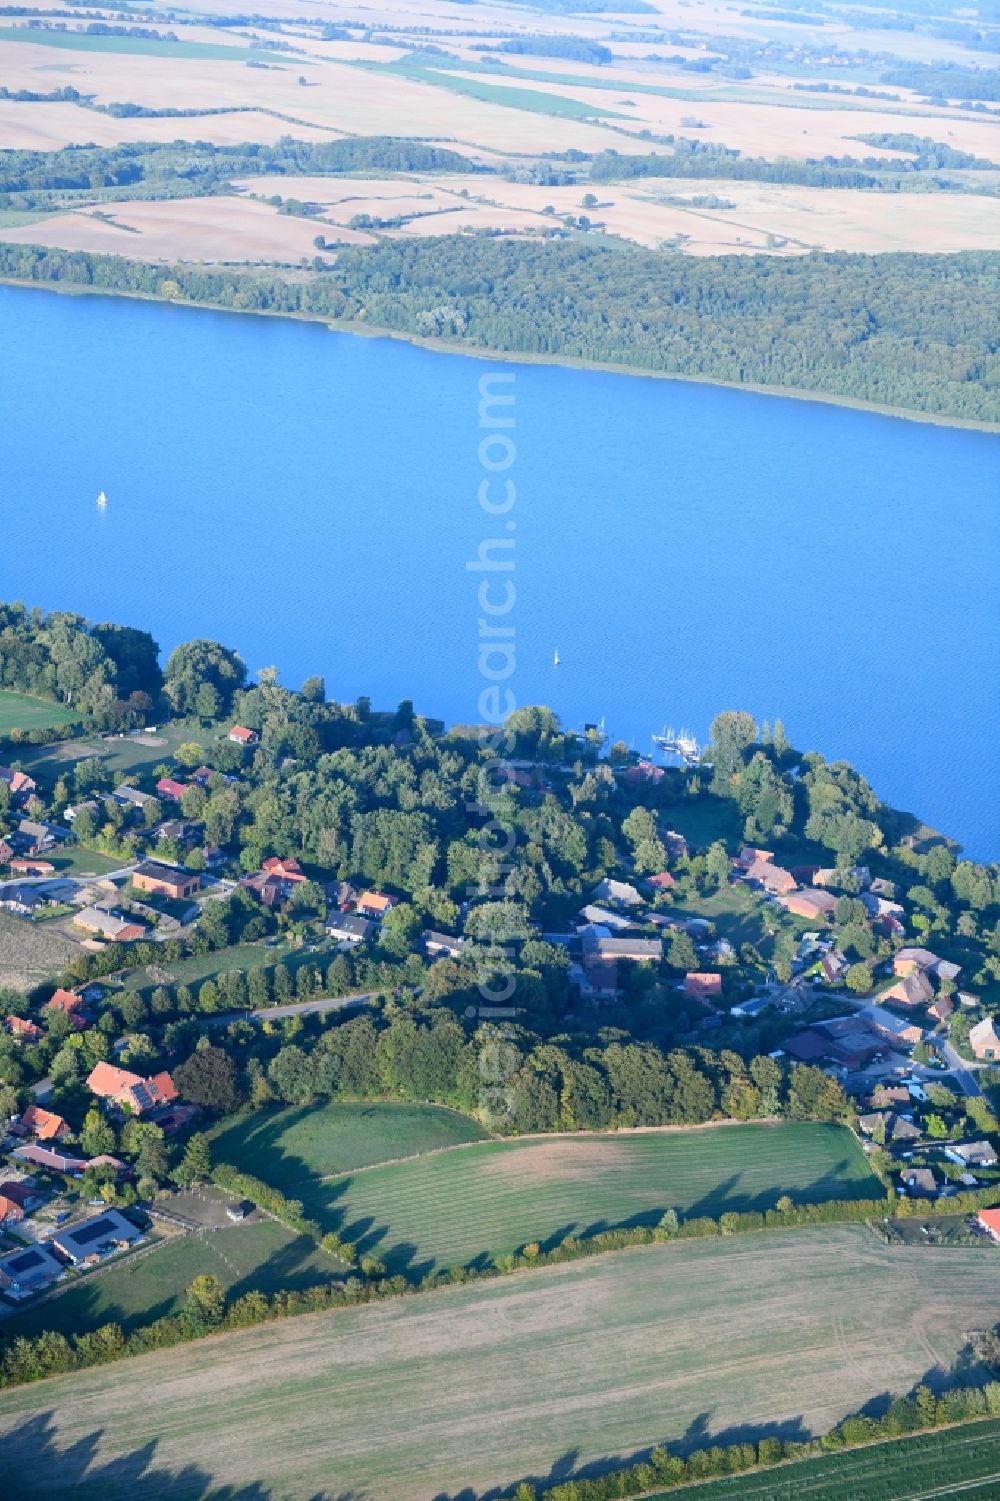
[
  {"x": 538, "y": 1374},
  {"x": 291, "y": 1148},
  {"x": 467, "y": 1205}
]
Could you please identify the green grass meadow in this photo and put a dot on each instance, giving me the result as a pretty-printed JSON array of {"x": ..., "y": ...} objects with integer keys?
[
  {"x": 19, "y": 711},
  {"x": 465, "y": 1206},
  {"x": 292, "y": 1148}
]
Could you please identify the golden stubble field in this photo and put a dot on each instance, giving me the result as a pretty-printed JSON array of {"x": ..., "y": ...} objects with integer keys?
[{"x": 481, "y": 1385}]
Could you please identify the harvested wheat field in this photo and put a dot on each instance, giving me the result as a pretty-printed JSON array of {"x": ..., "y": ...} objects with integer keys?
[
  {"x": 196, "y": 229},
  {"x": 480, "y": 1385},
  {"x": 50, "y": 127}
]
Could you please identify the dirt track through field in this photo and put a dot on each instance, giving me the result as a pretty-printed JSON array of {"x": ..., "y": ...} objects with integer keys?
[{"x": 478, "y": 1386}]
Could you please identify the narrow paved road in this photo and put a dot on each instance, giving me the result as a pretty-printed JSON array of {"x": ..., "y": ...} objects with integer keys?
[{"x": 293, "y": 1008}]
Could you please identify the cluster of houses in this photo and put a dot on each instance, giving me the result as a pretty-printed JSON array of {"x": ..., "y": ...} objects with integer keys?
[
  {"x": 39, "y": 1140},
  {"x": 890, "y": 1121}
]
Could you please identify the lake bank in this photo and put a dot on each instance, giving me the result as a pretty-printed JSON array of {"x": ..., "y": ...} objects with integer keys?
[{"x": 472, "y": 351}]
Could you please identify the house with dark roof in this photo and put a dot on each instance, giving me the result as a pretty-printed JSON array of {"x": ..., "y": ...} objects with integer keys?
[
  {"x": 438, "y": 945},
  {"x": 941, "y": 1009},
  {"x": 971, "y": 1153},
  {"x": 24, "y": 1272},
  {"x": 165, "y": 880},
  {"x": 919, "y": 1182},
  {"x": 25, "y": 901},
  {"x": 132, "y": 799},
  {"x": 107, "y": 1232},
  {"x": 632, "y": 950},
  {"x": 348, "y": 927},
  {"x": 24, "y": 1195}
]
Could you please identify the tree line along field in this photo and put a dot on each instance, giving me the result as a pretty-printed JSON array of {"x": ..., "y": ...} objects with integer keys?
[
  {"x": 19, "y": 711},
  {"x": 964, "y": 1460},
  {"x": 456, "y": 1207},
  {"x": 261, "y": 1256},
  {"x": 779, "y": 1334}
]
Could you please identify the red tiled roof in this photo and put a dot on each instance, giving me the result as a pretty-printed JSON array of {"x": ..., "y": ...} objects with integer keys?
[
  {"x": 288, "y": 870},
  {"x": 43, "y": 1124},
  {"x": 20, "y": 1026}
]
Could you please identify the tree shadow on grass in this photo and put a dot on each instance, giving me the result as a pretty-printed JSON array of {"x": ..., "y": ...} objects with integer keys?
[{"x": 34, "y": 1467}]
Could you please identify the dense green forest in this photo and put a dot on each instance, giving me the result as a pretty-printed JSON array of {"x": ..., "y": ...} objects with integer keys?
[
  {"x": 914, "y": 332},
  {"x": 692, "y": 158}
]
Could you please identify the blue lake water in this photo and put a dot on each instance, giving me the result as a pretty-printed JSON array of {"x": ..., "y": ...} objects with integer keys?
[{"x": 310, "y": 498}]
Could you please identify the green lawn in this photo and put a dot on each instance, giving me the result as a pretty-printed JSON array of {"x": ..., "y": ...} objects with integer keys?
[
  {"x": 544, "y": 1374},
  {"x": 964, "y": 1460},
  {"x": 123, "y": 756},
  {"x": 19, "y": 711},
  {"x": 466, "y": 1205},
  {"x": 260, "y": 1256},
  {"x": 76, "y": 860},
  {"x": 289, "y": 1147}
]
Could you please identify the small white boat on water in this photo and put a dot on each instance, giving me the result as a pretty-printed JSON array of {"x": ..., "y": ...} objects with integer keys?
[
  {"x": 555, "y": 658},
  {"x": 102, "y": 501}
]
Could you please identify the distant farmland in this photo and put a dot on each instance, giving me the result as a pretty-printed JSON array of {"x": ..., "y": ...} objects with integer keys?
[
  {"x": 539, "y": 1374},
  {"x": 460, "y": 1206}
]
